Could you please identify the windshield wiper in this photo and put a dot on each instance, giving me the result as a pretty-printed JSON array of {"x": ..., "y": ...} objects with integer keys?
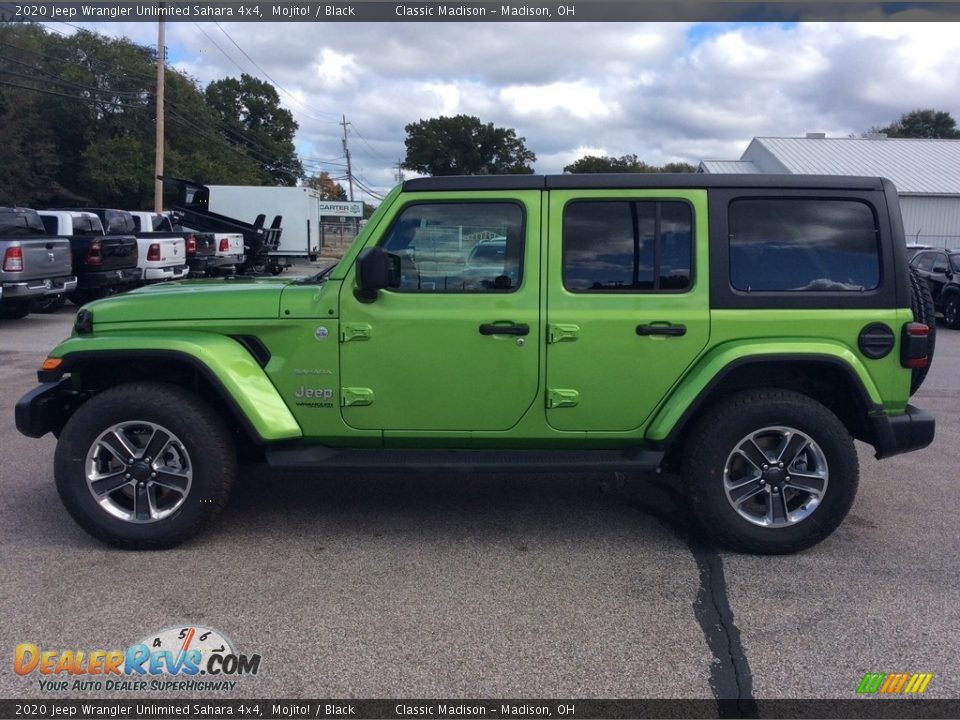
[{"x": 319, "y": 277}]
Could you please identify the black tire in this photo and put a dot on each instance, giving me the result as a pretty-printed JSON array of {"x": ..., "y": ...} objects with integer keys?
[
  {"x": 49, "y": 304},
  {"x": 710, "y": 453},
  {"x": 951, "y": 311},
  {"x": 921, "y": 302},
  {"x": 201, "y": 445},
  {"x": 15, "y": 310}
]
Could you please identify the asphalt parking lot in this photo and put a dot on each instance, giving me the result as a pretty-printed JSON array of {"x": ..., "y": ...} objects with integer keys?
[{"x": 497, "y": 586}]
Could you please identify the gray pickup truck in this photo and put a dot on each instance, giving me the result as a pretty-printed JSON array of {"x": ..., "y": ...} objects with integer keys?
[{"x": 34, "y": 266}]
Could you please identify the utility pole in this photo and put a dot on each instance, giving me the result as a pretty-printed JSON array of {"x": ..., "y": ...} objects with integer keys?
[
  {"x": 346, "y": 151},
  {"x": 158, "y": 158},
  {"x": 398, "y": 175}
]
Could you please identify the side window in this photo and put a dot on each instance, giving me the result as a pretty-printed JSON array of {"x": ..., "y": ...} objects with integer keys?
[
  {"x": 924, "y": 261},
  {"x": 458, "y": 247},
  {"x": 803, "y": 245},
  {"x": 940, "y": 263},
  {"x": 627, "y": 246},
  {"x": 49, "y": 224}
]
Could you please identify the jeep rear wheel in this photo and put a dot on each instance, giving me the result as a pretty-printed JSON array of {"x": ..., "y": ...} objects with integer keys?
[
  {"x": 770, "y": 471},
  {"x": 144, "y": 465}
]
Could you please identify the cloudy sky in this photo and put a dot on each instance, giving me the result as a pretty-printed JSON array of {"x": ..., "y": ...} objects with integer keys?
[{"x": 666, "y": 92}]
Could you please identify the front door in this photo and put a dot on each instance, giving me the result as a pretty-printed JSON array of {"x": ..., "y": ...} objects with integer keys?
[
  {"x": 627, "y": 303},
  {"x": 455, "y": 347}
]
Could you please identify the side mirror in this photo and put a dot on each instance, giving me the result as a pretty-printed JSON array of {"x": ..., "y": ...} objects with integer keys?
[{"x": 376, "y": 269}]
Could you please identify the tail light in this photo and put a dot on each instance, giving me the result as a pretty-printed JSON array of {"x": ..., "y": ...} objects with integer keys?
[
  {"x": 224, "y": 245},
  {"x": 191, "y": 243},
  {"x": 914, "y": 352},
  {"x": 13, "y": 260},
  {"x": 154, "y": 252},
  {"x": 93, "y": 253}
]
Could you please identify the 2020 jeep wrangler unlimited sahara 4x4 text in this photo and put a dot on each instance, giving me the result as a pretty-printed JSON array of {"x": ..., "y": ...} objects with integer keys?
[{"x": 740, "y": 330}]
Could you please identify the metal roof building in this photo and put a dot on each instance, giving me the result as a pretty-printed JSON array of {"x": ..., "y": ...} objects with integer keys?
[{"x": 926, "y": 173}]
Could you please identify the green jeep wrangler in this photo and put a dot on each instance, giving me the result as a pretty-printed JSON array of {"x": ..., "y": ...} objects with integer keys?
[{"x": 741, "y": 331}]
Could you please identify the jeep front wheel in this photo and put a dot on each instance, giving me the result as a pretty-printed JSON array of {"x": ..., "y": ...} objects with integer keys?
[
  {"x": 770, "y": 471},
  {"x": 144, "y": 466}
]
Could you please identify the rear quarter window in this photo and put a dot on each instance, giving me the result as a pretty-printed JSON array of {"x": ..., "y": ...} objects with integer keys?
[
  {"x": 16, "y": 223},
  {"x": 803, "y": 245}
]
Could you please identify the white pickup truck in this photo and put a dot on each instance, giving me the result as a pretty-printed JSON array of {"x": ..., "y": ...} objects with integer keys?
[
  {"x": 227, "y": 247},
  {"x": 163, "y": 252}
]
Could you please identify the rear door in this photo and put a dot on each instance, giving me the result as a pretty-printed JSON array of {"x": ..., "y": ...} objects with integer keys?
[{"x": 627, "y": 302}]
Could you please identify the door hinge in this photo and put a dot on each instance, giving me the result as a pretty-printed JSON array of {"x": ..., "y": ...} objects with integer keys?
[
  {"x": 559, "y": 332},
  {"x": 558, "y": 398},
  {"x": 355, "y": 396},
  {"x": 355, "y": 331}
]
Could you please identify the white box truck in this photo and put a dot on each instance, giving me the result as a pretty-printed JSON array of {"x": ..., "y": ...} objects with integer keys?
[{"x": 302, "y": 210}]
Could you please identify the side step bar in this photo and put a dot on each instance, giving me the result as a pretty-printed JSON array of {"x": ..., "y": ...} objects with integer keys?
[{"x": 400, "y": 461}]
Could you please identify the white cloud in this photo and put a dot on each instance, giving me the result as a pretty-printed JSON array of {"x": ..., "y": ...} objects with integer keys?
[
  {"x": 579, "y": 99},
  {"x": 664, "y": 91}
]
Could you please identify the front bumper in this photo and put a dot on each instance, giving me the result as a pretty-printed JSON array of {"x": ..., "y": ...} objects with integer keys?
[
  {"x": 46, "y": 408},
  {"x": 896, "y": 434},
  {"x": 38, "y": 287}
]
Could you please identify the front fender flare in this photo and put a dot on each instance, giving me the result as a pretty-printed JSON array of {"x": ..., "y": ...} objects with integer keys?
[{"x": 225, "y": 363}]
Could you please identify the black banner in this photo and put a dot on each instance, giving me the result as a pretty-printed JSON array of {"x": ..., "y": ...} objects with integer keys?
[
  {"x": 163, "y": 709},
  {"x": 470, "y": 11}
]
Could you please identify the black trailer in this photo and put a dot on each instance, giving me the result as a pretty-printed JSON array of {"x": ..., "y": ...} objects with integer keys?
[{"x": 192, "y": 209}]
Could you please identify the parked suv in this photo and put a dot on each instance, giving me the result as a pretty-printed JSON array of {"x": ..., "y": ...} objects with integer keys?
[
  {"x": 941, "y": 270},
  {"x": 739, "y": 330}
]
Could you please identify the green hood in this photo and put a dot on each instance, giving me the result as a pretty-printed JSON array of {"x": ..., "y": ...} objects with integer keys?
[{"x": 228, "y": 299}]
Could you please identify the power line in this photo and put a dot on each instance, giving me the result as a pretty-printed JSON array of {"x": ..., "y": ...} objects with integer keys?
[
  {"x": 267, "y": 75},
  {"x": 375, "y": 153},
  {"x": 73, "y": 97}
]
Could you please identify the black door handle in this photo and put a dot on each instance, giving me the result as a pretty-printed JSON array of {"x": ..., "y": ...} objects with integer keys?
[
  {"x": 662, "y": 329},
  {"x": 513, "y": 329}
]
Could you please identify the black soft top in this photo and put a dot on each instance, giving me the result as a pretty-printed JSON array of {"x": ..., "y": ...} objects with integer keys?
[{"x": 589, "y": 181}]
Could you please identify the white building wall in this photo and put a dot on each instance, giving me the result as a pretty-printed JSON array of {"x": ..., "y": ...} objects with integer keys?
[{"x": 931, "y": 220}]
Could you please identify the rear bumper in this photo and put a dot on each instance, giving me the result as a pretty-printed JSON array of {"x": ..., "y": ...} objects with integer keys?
[
  {"x": 199, "y": 264},
  {"x": 38, "y": 287},
  {"x": 171, "y": 272},
  {"x": 896, "y": 434},
  {"x": 109, "y": 278}
]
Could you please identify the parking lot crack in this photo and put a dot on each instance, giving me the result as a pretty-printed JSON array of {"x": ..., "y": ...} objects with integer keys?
[{"x": 731, "y": 679}]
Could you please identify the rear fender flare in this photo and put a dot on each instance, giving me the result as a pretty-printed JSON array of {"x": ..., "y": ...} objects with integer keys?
[{"x": 697, "y": 386}]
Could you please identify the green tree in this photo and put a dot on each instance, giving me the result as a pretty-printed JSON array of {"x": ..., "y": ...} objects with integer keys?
[
  {"x": 928, "y": 124},
  {"x": 329, "y": 188},
  {"x": 623, "y": 164},
  {"x": 463, "y": 145},
  {"x": 77, "y": 114},
  {"x": 28, "y": 152},
  {"x": 252, "y": 118}
]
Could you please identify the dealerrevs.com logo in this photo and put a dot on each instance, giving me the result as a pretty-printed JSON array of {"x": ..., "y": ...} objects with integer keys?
[{"x": 173, "y": 659}]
